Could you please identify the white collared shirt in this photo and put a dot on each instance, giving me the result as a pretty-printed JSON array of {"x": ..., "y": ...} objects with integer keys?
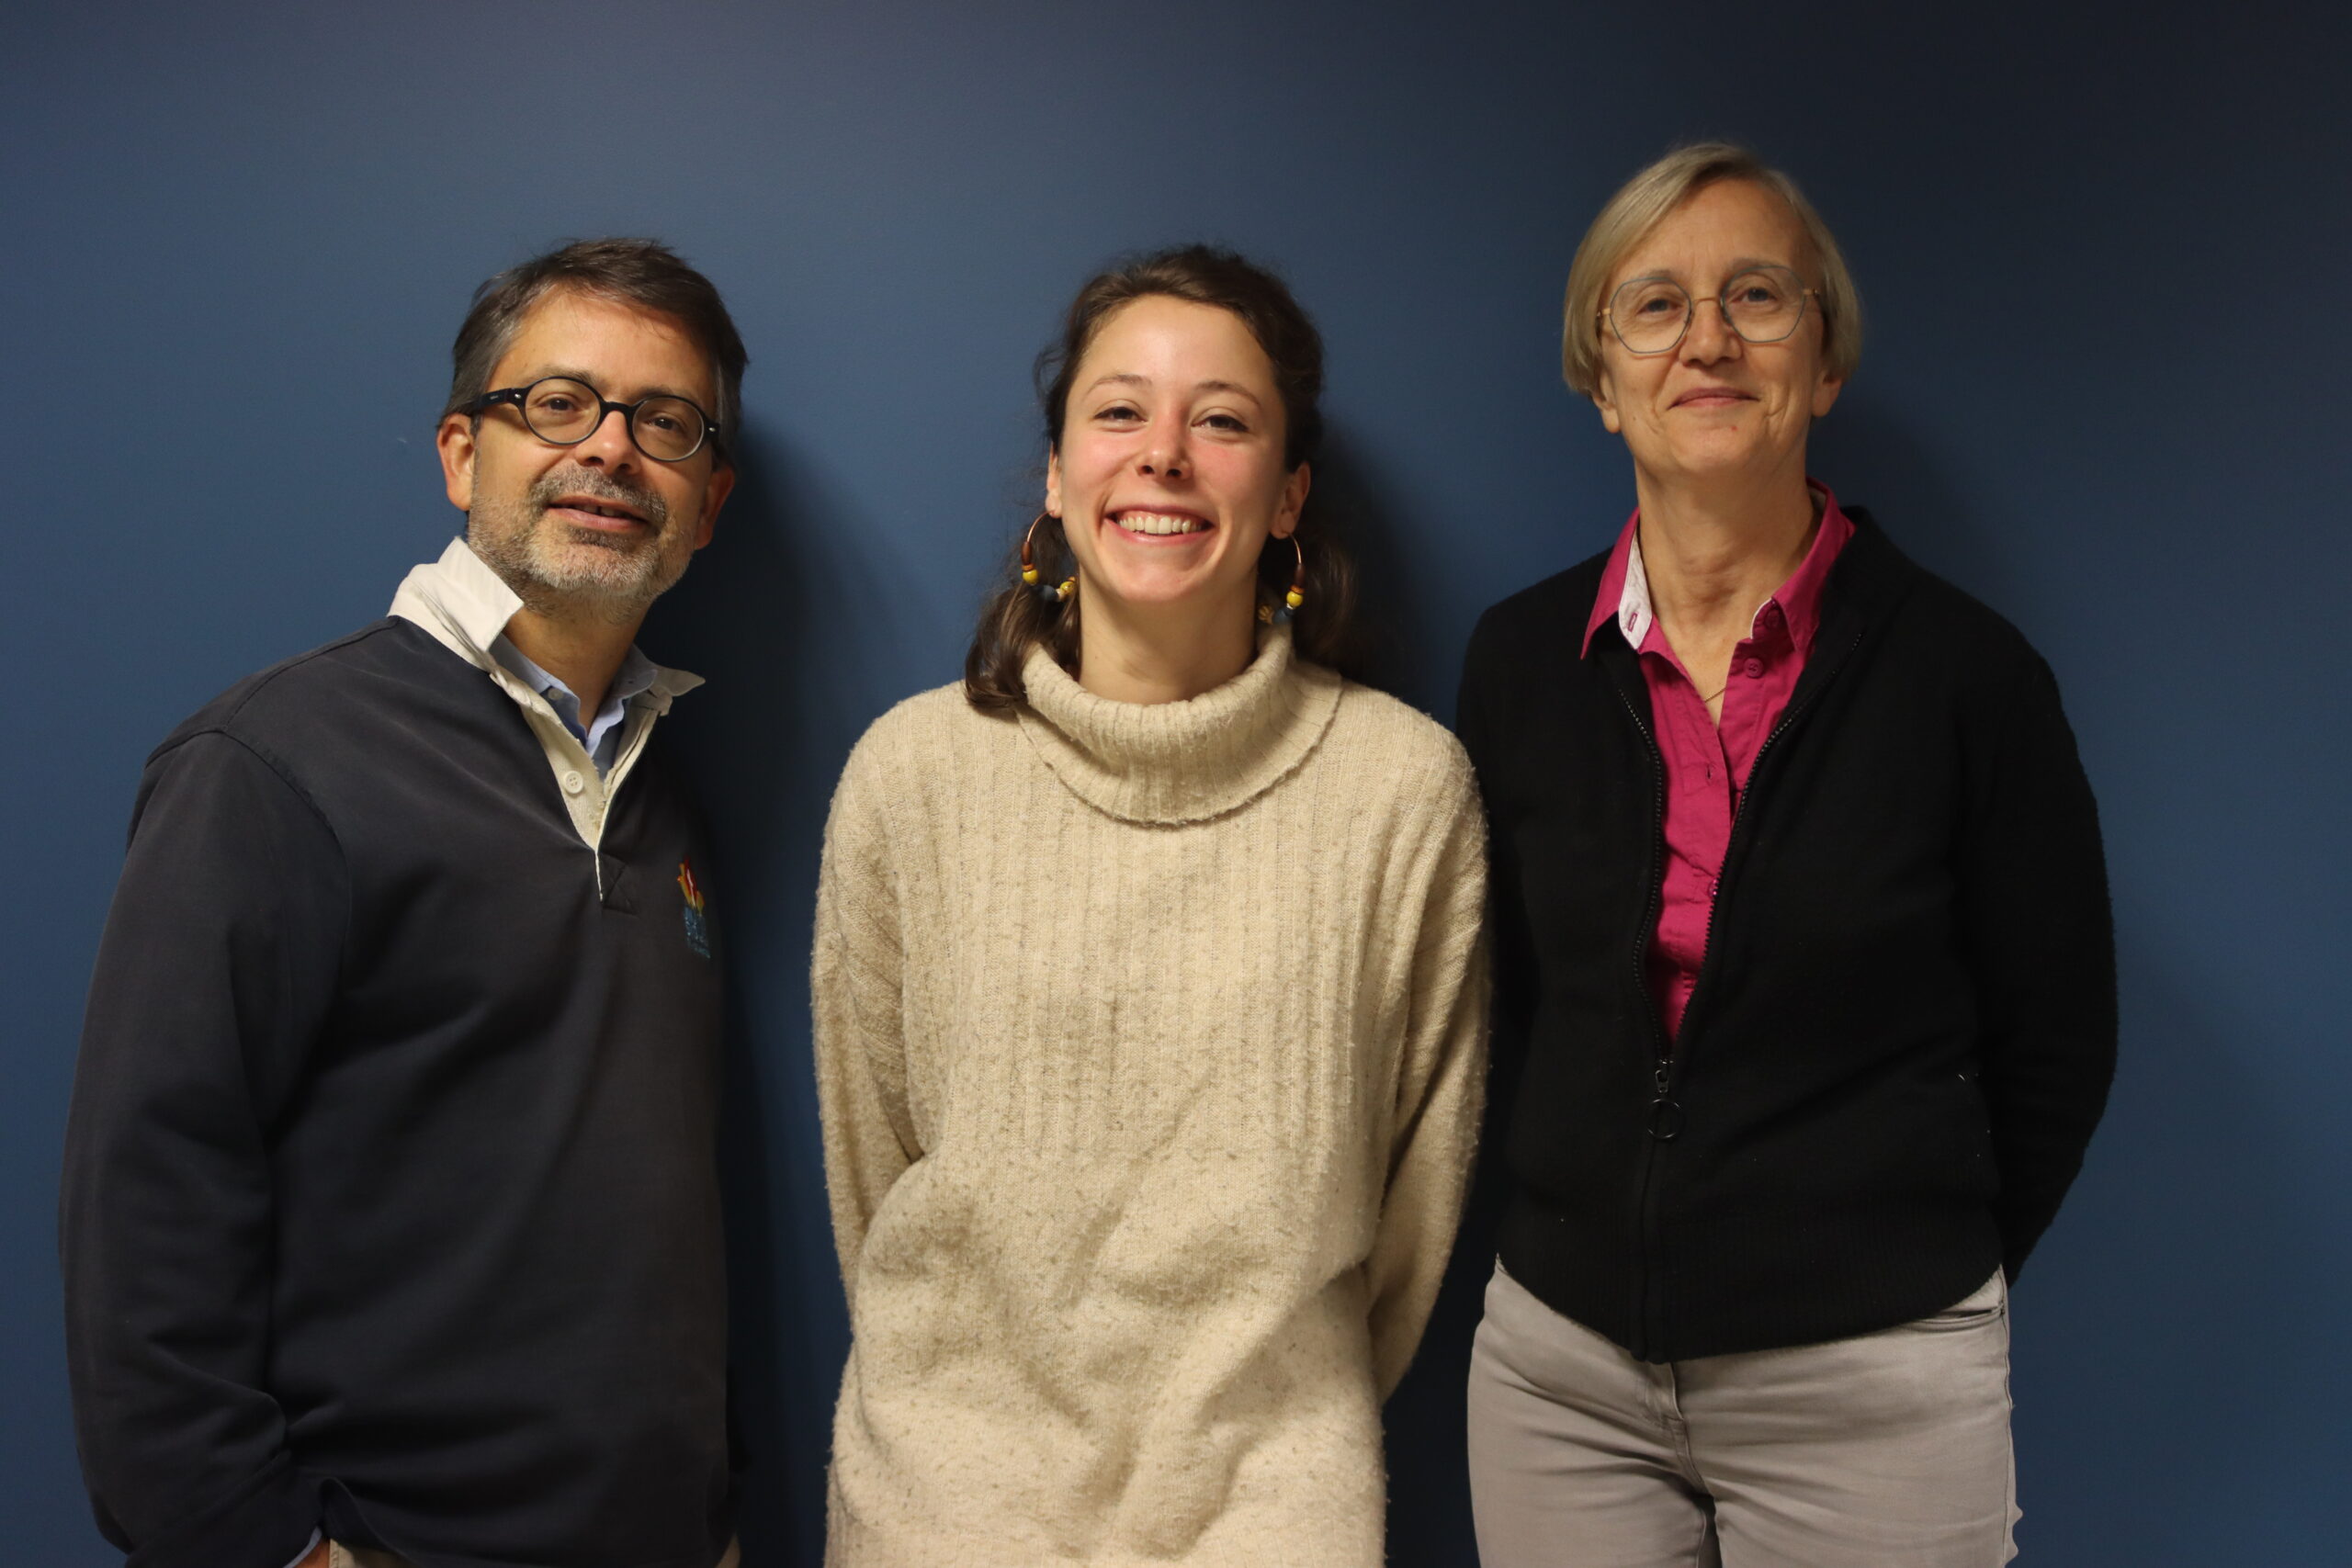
[{"x": 464, "y": 606}]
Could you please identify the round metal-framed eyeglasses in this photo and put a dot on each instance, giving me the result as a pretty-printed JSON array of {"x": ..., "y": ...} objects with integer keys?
[
  {"x": 1652, "y": 315},
  {"x": 563, "y": 410}
]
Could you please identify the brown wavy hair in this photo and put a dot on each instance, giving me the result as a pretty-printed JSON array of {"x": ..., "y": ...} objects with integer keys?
[{"x": 1016, "y": 618}]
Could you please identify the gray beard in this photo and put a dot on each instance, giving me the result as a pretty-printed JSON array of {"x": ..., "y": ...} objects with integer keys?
[{"x": 564, "y": 574}]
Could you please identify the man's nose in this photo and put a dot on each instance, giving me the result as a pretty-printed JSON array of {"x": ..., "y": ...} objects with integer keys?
[{"x": 610, "y": 442}]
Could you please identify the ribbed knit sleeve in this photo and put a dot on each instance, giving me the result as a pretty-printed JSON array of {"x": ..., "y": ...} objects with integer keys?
[
  {"x": 1441, "y": 1086},
  {"x": 855, "y": 987},
  {"x": 2034, "y": 913}
]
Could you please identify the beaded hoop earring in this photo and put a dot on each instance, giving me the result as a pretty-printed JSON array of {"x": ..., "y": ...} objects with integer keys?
[
  {"x": 1068, "y": 585},
  {"x": 1279, "y": 615}
]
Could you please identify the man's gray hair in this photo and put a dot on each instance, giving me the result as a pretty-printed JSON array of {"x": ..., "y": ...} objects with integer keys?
[{"x": 646, "y": 274}]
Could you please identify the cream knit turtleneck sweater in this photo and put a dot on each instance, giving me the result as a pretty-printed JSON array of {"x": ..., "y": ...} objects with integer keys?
[{"x": 1150, "y": 1046}]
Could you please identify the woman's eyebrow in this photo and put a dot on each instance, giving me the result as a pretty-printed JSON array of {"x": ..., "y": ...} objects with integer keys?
[
  {"x": 1739, "y": 265},
  {"x": 1129, "y": 378}
]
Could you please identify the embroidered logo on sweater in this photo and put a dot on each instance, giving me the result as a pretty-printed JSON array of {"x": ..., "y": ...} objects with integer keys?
[{"x": 697, "y": 916}]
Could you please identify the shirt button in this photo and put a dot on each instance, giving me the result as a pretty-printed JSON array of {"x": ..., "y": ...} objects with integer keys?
[
  {"x": 1753, "y": 667},
  {"x": 573, "y": 783}
]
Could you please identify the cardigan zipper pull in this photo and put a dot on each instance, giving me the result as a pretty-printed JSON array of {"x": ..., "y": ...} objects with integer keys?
[{"x": 1666, "y": 1114}]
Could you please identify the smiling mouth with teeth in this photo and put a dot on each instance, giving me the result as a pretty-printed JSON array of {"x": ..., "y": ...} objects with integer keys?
[{"x": 1159, "y": 523}]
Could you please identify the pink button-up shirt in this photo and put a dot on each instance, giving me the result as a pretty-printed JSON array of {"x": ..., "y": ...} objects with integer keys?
[{"x": 1707, "y": 762}]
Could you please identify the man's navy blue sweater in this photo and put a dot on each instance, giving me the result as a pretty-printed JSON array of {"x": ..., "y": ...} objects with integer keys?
[{"x": 391, "y": 1203}]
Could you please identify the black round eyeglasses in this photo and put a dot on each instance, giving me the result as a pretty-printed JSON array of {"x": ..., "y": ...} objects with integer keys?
[{"x": 564, "y": 410}]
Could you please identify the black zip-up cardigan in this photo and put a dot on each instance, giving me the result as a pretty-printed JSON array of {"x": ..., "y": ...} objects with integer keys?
[{"x": 1904, "y": 1029}]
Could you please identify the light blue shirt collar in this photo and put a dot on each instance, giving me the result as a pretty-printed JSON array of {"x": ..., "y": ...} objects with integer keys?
[{"x": 602, "y": 738}]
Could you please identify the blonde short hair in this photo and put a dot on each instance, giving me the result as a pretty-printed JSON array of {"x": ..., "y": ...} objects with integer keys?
[{"x": 1638, "y": 207}]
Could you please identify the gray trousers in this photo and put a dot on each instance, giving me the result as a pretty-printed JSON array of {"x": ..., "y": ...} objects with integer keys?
[{"x": 1892, "y": 1448}]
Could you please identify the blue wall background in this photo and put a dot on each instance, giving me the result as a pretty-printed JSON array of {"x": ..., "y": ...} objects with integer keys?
[{"x": 2105, "y": 256}]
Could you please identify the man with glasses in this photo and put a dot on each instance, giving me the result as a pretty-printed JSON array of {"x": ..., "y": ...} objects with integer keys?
[{"x": 390, "y": 1214}]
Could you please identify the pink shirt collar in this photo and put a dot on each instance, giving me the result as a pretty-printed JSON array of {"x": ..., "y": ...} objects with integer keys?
[{"x": 1625, "y": 594}]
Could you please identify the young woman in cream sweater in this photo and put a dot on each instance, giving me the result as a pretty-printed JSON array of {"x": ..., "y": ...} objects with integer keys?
[{"x": 1149, "y": 999}]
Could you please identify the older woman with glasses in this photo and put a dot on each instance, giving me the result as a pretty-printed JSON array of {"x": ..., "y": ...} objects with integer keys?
[{"x": 1802, "y": 951}]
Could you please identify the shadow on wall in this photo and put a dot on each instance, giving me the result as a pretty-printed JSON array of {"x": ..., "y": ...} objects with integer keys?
[
  {"x": 1428, "y": 1475},
  {"x": 782, "y": 616},
  {"x": 1867, "y": 454},
  {"x": 2137, "y": 1338},
  {"x": 1392, "y": 613},
  {"x": 1428, "y": 1508}
]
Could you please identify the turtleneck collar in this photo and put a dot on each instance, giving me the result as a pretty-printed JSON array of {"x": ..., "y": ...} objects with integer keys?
[{"x": 1174, "y": 762}]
